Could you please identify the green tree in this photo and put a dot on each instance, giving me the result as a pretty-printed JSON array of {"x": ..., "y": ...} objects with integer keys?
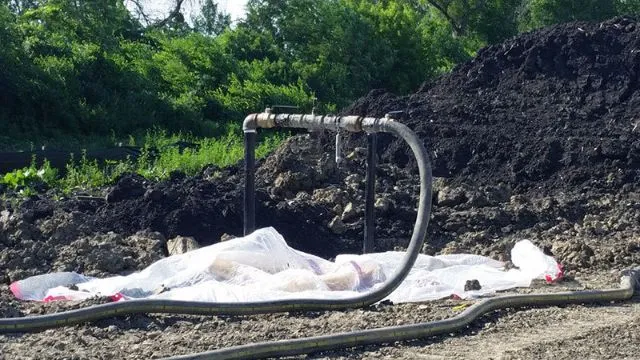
[
  {"x": 19, "y": 6},
  {"x": 539, "y": 13},
  {"x": 490, "y": 20},
  {"x": 343, "y": 48},
  {"x": 630, "y": 7},
  {"x": 93, "y": 67},
  {"x": 211, "y": 21}
]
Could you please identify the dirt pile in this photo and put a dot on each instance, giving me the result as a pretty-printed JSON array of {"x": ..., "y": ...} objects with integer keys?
[
  {"x": 528, "y": 139},
  {"x": 536, "y": 138},
  {"x": 556, "y": 109},
  {"x": 321, "y": 215},
  {"x": 551, "y": 113},
  {"x": 63, "y": 241}
]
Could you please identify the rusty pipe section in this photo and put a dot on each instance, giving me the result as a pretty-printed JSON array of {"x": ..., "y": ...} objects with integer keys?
[{"x": 352, "y": 123}]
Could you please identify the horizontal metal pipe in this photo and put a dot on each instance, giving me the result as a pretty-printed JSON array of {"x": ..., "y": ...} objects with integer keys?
[{"x": 350, "y": 123}]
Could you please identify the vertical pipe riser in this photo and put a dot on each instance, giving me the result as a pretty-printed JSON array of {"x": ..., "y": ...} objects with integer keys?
[
  {"x": 249, "y": 184},
  {"x": 369, "y": 209},
  {"x": 339, "y": 158}
]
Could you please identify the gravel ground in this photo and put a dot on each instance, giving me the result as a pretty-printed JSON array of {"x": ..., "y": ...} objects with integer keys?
[
  {"x": 601, "y": 331},
  {"x": 593, "y": 235}
]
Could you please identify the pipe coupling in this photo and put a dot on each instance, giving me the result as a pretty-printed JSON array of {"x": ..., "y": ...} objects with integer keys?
[
  {"x": 374, "y": 125},
  {"x": 350, "y": 123}
]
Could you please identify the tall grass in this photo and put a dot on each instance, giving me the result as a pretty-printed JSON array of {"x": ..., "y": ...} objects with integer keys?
[
  {"x": 161, "y": 155},
  {"x": 222, "y": 151}
]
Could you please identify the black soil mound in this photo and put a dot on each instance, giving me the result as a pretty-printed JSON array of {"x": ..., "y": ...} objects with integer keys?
[
  {"x": 208, "y": 206},
  {"x": 556, "y": 109},
  {"x": 536, "y": 138}
]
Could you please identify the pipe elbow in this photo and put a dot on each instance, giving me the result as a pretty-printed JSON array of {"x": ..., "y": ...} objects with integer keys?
[
  {"x": 250, "y": 123},
  {"x": 263, "y": 120}
]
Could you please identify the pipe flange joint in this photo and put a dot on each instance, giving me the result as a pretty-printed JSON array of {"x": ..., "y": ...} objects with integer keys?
[
  {"x": 374, "y": 125},
  {"x": 351, "y": 123},
  {"x": 330, "y": 122},
  {"x": 266, "y": 120}
]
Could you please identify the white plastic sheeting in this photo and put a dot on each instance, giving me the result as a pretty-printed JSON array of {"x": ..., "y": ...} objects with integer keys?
[{"x": 262, "y": 267}]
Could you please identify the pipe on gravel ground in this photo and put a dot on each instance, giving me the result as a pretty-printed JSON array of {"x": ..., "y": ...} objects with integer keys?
[
  {"x": 629, "y": 281},
  {"x": 267, "y": 119}
]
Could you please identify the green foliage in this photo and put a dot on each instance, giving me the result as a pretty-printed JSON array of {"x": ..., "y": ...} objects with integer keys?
[
  {"x": 340, "y": 49},
  {"x": 84, "y": 175},
  {"x": 210, "y": 21},
  {"x": 89, "y": 69},
  {"x": 252, "y": 94},
  {"x": 628, "y": 7},
  {"x": 22, "y": 180},
  {"x": 488, "y": 20},
  {"x": 446, "y": 50},
  {"x": 223, "y": 151},
  {"x": 158, "y": 160}
]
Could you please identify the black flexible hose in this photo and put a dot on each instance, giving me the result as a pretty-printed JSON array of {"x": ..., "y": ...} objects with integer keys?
[{"x": 390, "y": 334}]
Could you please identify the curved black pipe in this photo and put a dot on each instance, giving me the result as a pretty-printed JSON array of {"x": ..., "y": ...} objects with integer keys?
[{"x": 392, "y": 334}]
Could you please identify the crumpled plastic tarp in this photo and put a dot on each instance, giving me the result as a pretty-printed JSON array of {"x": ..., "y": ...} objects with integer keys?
[{"x": 261, "y": 266}]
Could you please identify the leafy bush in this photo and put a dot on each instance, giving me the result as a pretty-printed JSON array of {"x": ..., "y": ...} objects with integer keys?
[{"x": 23, "y": 180}]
